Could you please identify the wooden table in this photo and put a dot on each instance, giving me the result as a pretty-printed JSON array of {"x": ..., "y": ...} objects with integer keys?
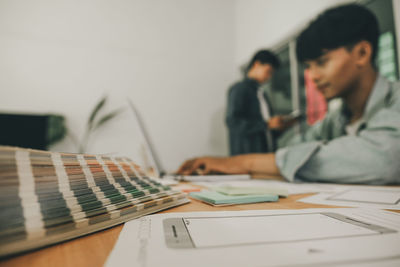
[{"x": 93, "y": 249}]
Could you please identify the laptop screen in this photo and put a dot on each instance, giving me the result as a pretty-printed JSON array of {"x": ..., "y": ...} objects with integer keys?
[{"x": 150, "y": 152}]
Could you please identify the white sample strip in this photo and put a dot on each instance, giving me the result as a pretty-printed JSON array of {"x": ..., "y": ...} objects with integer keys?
[{"x": 34, "y": 225}]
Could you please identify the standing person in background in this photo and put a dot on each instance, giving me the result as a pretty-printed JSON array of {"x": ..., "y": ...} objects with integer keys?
[{"x": 252, "y": 128}]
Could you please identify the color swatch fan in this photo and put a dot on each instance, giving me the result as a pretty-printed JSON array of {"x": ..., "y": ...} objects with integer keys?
[{"x": 48, "y": 197}]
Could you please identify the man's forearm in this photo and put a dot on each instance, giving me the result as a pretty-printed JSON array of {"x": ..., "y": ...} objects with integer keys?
[{"x": 259, "y": 163}]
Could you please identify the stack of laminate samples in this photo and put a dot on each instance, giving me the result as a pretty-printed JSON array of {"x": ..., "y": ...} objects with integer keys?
[{"x": 48, "y": 197}]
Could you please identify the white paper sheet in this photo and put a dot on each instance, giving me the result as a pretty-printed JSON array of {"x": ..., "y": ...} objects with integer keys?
[
  {"x": 359, "y": 196},
  {"x": 293, "y": 188},
  {"x": 363, "y": 237},
  {"x": 212, "y": 178}
]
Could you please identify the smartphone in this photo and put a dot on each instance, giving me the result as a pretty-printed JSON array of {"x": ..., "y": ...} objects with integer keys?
[{"x": 295, "y": 114}]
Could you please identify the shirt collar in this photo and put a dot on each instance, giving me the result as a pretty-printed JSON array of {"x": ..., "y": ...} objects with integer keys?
[
  {"x": 377, "y": 97},
  {"x": 252, "y": 82},
  {"x": 375, "y": 100}
]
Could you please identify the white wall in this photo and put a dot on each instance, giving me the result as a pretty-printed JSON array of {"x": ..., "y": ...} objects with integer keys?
[{"x": 173, "y": 58}]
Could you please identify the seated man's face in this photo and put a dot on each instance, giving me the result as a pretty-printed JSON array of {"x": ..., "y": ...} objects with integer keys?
[{"x": 334, "y": 72}]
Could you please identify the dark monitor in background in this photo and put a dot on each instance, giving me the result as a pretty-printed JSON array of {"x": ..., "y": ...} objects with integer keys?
[{"x": 31, "y": 131}]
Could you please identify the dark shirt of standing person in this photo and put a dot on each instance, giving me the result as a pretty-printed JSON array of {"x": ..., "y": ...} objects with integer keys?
[{"x": 249, "y": 117}]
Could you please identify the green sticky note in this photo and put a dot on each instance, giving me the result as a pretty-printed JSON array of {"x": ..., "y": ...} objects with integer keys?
[
  {"x": 242, "y": 190},
  {"x": 216, "y": 198}
]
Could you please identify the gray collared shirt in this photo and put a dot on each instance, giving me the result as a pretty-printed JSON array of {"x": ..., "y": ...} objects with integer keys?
[{"x": 371, "y": 156}]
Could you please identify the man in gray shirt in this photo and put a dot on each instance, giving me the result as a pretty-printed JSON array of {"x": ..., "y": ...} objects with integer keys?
[{"x": 358, "y": 143}]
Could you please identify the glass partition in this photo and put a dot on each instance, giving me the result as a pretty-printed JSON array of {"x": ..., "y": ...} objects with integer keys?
[{"x": 279, "y": 89}]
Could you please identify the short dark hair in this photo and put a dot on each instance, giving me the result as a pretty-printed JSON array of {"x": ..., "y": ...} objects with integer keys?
[
  {"x": 345, "y": 25},
  {"x": 265, "y": 57}
]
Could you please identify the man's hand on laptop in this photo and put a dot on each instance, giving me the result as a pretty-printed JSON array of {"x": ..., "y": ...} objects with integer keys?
[
  {"x": 261, "y": 163},
  {"x": 212, "y": 165}
]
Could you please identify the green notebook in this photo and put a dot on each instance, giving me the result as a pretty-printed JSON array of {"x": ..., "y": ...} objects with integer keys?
[
  {"x": 216, "y": 198},
  {"x": 246, "y": 190}
]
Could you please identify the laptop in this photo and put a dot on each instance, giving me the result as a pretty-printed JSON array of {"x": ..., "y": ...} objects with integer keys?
[{"x": 160, "y": 171}]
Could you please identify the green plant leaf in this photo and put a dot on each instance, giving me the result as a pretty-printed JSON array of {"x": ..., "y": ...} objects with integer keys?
[
  {"x": 96, "y": 109},
  {"x": 107, "y": 117}
]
